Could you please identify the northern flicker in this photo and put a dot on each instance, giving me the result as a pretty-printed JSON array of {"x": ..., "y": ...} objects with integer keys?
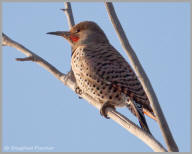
[{"x": 102, "y": 72}]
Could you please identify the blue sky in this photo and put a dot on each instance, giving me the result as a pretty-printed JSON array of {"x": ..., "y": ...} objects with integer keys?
[{"x": 38, "y": 110}]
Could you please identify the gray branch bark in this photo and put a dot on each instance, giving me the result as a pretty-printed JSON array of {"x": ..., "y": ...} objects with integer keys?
[
  {"x": 69, "y": 14},
  {"x": 171, "y": 144},
  {"x": 68, "y": 80}
]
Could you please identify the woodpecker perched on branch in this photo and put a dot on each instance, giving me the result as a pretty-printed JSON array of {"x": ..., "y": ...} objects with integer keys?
[{"x": 102, "y": 72}]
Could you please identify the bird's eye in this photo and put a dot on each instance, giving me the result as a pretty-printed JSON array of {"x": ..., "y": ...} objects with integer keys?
[{"x": 77, "y": 31}]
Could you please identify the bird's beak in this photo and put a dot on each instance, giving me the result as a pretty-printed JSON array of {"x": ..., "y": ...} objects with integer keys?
[{"x": 64, "y": 34}]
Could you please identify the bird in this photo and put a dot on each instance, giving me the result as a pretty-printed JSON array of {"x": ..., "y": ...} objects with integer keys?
[{"x": 103, "y": 73}]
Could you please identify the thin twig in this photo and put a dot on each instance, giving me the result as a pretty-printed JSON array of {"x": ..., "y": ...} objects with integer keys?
[
  {"x": 6, "y": 41},
  {"x": 143, "y": 78},
  {"x": 68, "y": 81},
  {"x": 69, "y": 14},
  {"x": 71, "y": 23}
]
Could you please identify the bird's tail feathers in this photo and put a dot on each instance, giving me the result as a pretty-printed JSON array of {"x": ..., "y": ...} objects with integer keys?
[
  {"x": 136, "y": 109},
  {"x": 149, "y": 114}
]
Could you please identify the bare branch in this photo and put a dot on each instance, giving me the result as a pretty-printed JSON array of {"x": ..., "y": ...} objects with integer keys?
[
  {"x": 143, "y": 78},
  {"x": 6, "y": 41},
  {"x": 30, "y": 58},
  {"x": 71, "y": 23},
  {"x": 69, "y": 14},
  {"x": 69, "y": 81}
]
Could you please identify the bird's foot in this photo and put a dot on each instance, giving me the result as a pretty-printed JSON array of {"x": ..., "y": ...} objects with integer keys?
[
  {"x": 78, "y": 91},
  {"x": 103, "y": 108}
]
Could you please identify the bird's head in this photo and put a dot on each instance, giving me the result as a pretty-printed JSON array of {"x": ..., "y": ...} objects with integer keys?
[{"x": 83, "y": 33}]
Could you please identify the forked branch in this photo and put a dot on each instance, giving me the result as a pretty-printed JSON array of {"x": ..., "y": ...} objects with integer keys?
[
  {"x": 69, "y": 81},
  {"x": 69, "y": 14}
]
